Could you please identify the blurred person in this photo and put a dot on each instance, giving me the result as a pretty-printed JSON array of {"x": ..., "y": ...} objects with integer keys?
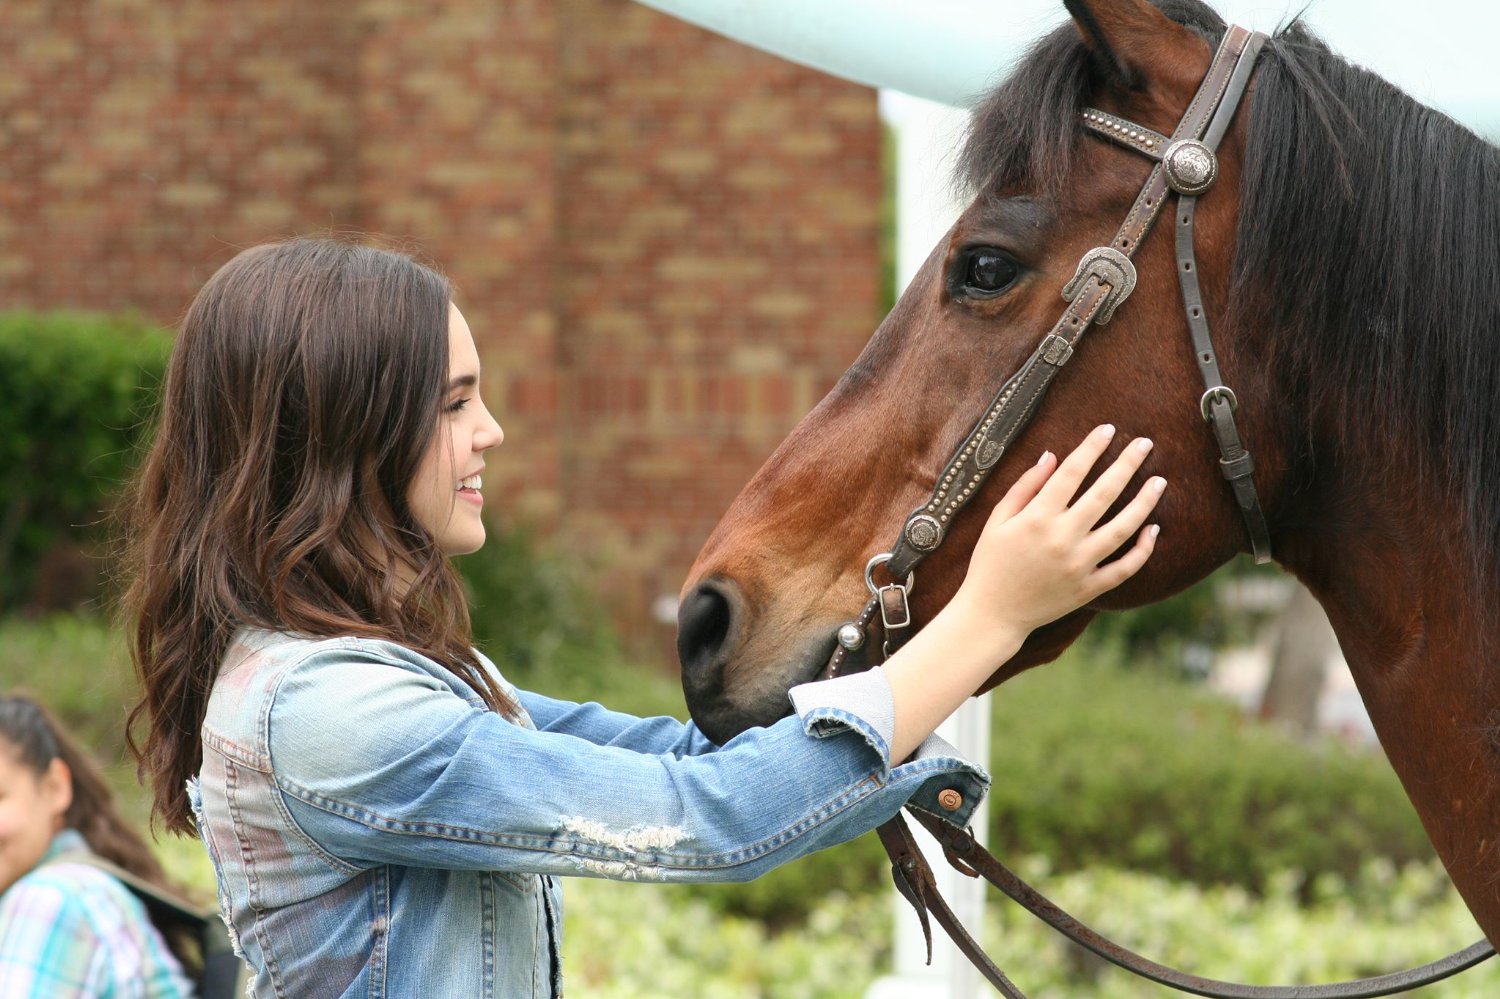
[
  {"x": 69, "y": 930},
  {"x": 386, "y": 814}
]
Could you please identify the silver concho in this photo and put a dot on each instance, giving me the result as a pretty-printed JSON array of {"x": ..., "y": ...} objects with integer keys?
[
  {"x": 851, "y": 636},
  {"x": 924, "y": 533},
  {"x": 989, "y": 453},
  {"x": 1191, "y": 167},
  {"x": 1114, "y": 269}
]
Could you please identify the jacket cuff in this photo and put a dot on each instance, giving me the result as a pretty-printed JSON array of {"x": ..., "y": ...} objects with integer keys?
[{"x": 862, "y": 702}]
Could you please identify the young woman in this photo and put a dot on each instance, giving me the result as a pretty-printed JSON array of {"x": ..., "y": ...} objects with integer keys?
[
  {"x": 386, "y": 814},
  {"x": 69, "y": 930}
]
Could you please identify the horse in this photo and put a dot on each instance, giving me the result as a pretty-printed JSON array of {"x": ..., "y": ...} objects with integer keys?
[{"x": 1347, "y": 258}]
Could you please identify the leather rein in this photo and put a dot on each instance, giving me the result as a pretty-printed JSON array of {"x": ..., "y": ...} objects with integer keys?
[{"x": 1185, "y": 164}]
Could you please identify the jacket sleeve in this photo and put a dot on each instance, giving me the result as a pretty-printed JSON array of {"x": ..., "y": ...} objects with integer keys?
[
  {"x": 599, "y": 725},
  {"x": 378, "y": 763}
]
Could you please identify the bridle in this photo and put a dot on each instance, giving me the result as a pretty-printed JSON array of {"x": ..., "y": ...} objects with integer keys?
[{"x": 1185, "y": 164}]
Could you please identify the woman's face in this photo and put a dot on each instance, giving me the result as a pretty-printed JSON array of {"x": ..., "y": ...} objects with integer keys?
[
  {"x": 32, "y": 806},
  {"x": 445, "y": 495}
]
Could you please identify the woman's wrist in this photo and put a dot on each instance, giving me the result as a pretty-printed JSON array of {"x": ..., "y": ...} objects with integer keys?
[
  {"x": 995, "y": 634},
  {"x": 943, "y": 665}
]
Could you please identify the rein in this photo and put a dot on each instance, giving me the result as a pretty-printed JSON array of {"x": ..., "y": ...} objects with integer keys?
[{"x": 1185, "y": 164}]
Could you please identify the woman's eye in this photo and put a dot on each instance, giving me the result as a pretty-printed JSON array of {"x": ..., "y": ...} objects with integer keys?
[
  {"x": 457, "y": 405},
  {"x": 989, "y": 272}
]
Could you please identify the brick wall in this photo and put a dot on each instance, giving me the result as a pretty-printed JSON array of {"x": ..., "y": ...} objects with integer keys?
[{"x": 665, "y": 243}]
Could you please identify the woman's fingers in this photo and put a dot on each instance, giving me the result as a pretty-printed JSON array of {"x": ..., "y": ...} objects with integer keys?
[
  {"x": 1107, "y": 577},
  {"x": 1025, "y": 488},
  {"x": 1063, "y": 484},
  {"x": 1109, "y": 536},
  {"x": 1111, "y": 483}
]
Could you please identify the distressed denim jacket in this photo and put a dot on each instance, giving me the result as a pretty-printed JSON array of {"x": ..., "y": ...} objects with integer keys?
[{"x": 376, "y": 831}]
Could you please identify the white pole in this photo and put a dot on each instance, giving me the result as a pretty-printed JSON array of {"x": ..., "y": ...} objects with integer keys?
[{"x": 926, "y": 134}]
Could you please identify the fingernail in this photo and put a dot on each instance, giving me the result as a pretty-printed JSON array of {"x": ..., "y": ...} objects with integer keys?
[
  {"x": 1107, "y": 430},
  {"x": 1043, "y": 459},
  {"x": 1143, "y": 444},
  {"x": 1159, "y": 484},
  {"x": 1153, "y": 531}
]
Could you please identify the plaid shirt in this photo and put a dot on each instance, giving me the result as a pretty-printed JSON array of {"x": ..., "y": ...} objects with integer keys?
[{"x": 70, "y": 931}]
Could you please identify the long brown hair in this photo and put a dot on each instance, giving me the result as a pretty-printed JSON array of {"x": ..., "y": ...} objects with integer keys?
[
  {"x": 302, "y": 393},
  {"x": 36, "y": 737}
]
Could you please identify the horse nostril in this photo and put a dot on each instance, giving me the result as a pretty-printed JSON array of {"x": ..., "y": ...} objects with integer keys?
[{"x": 703, "y": 625}]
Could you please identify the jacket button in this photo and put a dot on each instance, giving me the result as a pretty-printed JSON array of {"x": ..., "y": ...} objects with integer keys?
[{"x": 950, "y": 799}]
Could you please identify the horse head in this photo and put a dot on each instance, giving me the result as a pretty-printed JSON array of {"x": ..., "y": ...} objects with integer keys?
[
  {"x": 786, "y": 565},
  {"x": 1346, "y": 261}
]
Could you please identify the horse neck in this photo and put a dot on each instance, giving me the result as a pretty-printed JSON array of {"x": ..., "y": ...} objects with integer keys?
[{"x": 1383, "y": 554}]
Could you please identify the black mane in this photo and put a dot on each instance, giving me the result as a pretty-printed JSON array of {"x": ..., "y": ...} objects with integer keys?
[{"x": 1369, "y": 230}]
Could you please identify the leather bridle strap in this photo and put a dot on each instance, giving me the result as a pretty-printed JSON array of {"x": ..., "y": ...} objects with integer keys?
[
  {"x": 970, "y": 858},
  {"x": 916, "y": 884}
]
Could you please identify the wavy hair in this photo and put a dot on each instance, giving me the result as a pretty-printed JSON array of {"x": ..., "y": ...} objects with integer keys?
[{"x": 302, "y": 393}]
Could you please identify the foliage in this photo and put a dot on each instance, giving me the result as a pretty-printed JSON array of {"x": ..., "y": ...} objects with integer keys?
[
  {"x": 1095, "y": 765},
  {"x": 73, "y": 388},
  {"x": 80, "y": 668},
  {"x": 630, "y": 941},
  {"x": 639, "y": 941},
  {"x": 534, "y": 615},
  {"x": 1387, "y": 918}
]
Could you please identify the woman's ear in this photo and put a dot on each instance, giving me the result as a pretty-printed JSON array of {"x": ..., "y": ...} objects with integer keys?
[{"x": 57, "y": 789}]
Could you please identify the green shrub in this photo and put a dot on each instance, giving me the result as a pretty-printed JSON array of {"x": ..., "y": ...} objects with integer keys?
[
  {"x": 80, "y": 668},
  {"x": 1387, "y": 919},
  {"x": 1095, "y": 765},
  {"x": 73, "y": 390},
  {"x": 630, "y": 940},
  {"x": 534, "y": 615}
]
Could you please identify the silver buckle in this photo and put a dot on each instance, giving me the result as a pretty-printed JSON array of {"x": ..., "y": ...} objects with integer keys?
[
  {"x": 1112, "y": 268},
  {"x": 1217, "y": 392}
]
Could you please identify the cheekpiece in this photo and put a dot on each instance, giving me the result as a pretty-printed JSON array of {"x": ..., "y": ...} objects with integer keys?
[
  {"x": 1114, "y": 269},
  {"x": 1190, "y": 166}
]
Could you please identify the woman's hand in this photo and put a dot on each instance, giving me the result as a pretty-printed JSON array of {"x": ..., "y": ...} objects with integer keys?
[{"x": 1038, "y": 557}]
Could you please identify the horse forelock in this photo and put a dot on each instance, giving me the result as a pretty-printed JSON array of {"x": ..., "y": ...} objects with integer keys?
[{"x": 1024, "y": 134}]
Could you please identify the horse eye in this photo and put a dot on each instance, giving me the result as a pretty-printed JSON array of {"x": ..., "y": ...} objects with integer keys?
[{"x": 989, "y": 272}]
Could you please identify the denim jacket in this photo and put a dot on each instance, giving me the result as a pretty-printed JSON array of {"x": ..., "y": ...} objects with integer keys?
[{"x": 376, "y": 831}]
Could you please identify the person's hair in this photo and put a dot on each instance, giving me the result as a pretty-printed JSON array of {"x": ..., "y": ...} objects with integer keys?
[
  {"x": 36, "y": 738},
  {"x": 302, "y": 393}
]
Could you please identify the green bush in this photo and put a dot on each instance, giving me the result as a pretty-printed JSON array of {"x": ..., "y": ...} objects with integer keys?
[
  {"x": 534, "y": 615},
  {"x": 631, "y": 940},
  {"x": 1095, "y": 765},
  {"x": 73, "y": 391},
  {"x": 80, "y": 668}
]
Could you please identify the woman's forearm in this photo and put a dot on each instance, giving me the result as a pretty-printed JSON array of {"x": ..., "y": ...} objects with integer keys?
[{"x": 941, "y": 667}]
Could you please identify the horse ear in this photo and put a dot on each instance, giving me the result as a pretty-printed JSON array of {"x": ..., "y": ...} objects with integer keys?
[{"x": 1126, "y": 37}]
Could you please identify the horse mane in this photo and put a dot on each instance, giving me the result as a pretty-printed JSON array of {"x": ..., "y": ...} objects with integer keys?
[{"x": 1368, "y": 241}]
